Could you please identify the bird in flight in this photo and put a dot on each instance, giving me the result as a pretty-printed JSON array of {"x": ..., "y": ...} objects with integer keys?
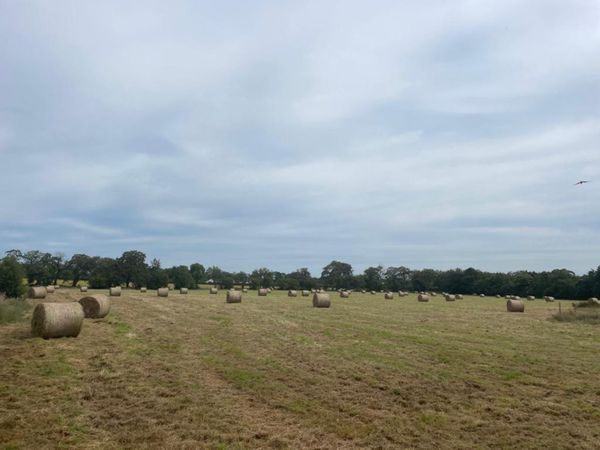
[{"x": 582, "y": 182}]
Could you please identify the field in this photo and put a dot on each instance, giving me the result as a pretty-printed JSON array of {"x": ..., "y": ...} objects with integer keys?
[{"x": 190, "y": 371}]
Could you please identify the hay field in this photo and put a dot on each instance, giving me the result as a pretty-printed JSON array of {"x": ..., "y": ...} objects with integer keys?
[{"x": 190, "y": 371}]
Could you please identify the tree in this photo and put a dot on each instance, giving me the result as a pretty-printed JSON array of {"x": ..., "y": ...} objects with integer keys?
[
  {"x": 132, "y": 267},
  {"x": 397, "y": 278},
  {"x": 36, "y": 265},
  {"x": 105, "y": 273},
  {"x": 261, "y": 278},
  {"x": 303, "y": 277},
  {"x": 156, "y": 276},
  {"x": 181, "y": 277},
  {"x": 80, "y": 266},
  {"x": 198, "y": 272},
  {"x": 337, "y": 275},
  {"x": 374, "y": 278},
  {"x": 11, "y": 277}
]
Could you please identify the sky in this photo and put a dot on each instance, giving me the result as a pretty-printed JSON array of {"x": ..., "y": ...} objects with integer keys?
[{"x": 287, "y": 134}]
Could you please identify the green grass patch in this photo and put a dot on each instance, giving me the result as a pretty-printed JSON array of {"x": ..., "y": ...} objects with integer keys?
[
  {"x": 243, "y": 378},
  {"x": 12, "y": 310}
]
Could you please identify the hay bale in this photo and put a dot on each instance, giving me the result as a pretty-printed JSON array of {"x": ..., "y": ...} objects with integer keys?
[
  {"x": 498, "y": 296},
  {"x": 530, "y": 297},
  {"x": 592, "y": 299},
  {"x": 373, "y": 292},
  {"x": 163, "y": 292},
  {"x": 305, "y": 293},
  {"x": 321, "y": 300},
  {"x": 433, "y": 294},
  {"x": 262, "y": 292},
  {"x": 450, "y": 298},
  {"x": 83, "y": 288},
  {"x": 54, "y": 320},
  {"x": 171, "y": 286},
  {"x": 388, "y": 295},
  {"x": 143, "y": 289},
  {"x": 234, "y": 297},
  {"x": 292, "y": 293},
  {"x": 344, "y": 294},
  {"x": 482, "y": 295},
  {"x": 50, "y": 289},
  {"x": 550, "y": 299},
  {"x": 423, "y": 298},
  {"x": 37, "y": 292},
  {"x": 269, "y": 290},
  {"x": 244, "y": 290},
  {"x": 115, "y": 291},
  {"x": 214, "y": 290},
  {"x": 515, "y": 306},
  {"x": 95, "y": 306},
  {"x": 459, "y": 296},
  {"x": 183, "y": 290}
]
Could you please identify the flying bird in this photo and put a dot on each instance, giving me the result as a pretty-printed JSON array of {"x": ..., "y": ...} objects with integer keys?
[{"x": 582, "y": 182}]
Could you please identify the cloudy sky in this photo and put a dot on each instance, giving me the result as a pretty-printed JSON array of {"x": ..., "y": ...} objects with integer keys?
[{"x": 286, "y": 134}]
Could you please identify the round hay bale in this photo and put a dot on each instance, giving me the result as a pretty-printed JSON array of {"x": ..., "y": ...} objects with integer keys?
[
  {"x": 50, "y": 289},
  {"x": 37, "y": 292},
  {"x": 214, "y": 290},
  {"x": 508, "y": 297},
  {"x": 592, "y": 299},
  {"x": 234, "y": 297},
  {"x": 262, "y": 292},
  {"x": 482, "y": 295},
  {"x": 550, "y": 299},
  {"x": 450, "y": 298},
  {"x": 269, "y": 290},
  {"x": 373, "y": 292},
  {"x": 305, "y": 293},
  {"x": 163, "y": 292},
  {"x": 143, "y": 289},
  {"x": 530, "y": 297},
  {"x": 183, "y": 290},
  {"x": 423, "y": 298},
  {"x": 244, "y": 290},
  {"x": 388, "y": 295},
  {"x": 115, "y": 291},
  {"x": 459, "y": 296},
  {"x": 345, "y": 294},
  {"x": 95, "y": 306},
  {"x": 498, "y": 296},
  {"x": 54, "y": 320},
  {"x": 433, "y": 294},
  {"x": 321, "y": 300},
  {"x": 292, "y": 293},
  {"x": 515, "y": 306},
  {"x": 83, "y": 288}
]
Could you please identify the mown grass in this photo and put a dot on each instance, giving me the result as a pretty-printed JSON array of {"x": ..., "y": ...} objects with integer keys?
[{"x": 194, "y": 372}]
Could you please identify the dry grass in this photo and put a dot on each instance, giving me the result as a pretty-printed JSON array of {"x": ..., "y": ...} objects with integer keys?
[{"x": 194, "y": 372}]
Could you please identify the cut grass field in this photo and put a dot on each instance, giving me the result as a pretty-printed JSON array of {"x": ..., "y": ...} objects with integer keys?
[{"x": 190, "y": 371}]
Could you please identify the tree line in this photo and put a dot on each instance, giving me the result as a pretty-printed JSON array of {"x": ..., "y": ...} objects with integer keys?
[{"x": 132, "y": 270}]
